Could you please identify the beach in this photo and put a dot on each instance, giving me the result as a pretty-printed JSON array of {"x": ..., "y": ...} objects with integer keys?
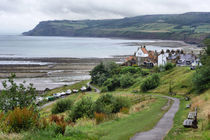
[{"x": 51, "y": 62}]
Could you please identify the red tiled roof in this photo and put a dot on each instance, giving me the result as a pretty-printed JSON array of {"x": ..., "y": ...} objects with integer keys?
[
  {"x": 144, "y": 50},
  {"x": 131, "y": 58}
]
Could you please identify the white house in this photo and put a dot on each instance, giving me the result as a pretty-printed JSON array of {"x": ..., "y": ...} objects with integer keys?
[
  {"x": 162, "y": 59},
  {"x": 141, "y": 55}
]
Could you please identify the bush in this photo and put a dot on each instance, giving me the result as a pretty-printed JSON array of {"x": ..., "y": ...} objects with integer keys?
[
  {"x": 21, "y": 119},
  {"x": 100, "y": 117},
  {"x": 124, "y": 110},
  {"x": 104, "y": 104},
  {"x": 60, "y": 124},
  {"x": 126, "y": 80},
  {"x": 13, "y": 95},
  {"x": 62, "y": 106},
  {"x": 97, "y": 72},
  {"x": 150, "y": 82},
  {"x": 103, "y": 71},
  {"x": 121, "y": 102},
  {"x": 111, "y": 83},
  {"x": 83, "y": 108},
  {"x": 169, "y": 66},
  {"x": 201, "y": 79},
  {"x": 130, "y": 69},
  {"x": 108, "y": 104}
]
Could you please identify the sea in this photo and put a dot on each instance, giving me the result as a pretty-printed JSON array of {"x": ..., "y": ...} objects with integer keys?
[
  {"x": 18, "y": 46},
  {"x": 75, "y": 47}
]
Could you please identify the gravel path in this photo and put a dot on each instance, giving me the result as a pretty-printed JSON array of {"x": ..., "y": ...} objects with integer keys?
[{"x": 163, "y": 126}]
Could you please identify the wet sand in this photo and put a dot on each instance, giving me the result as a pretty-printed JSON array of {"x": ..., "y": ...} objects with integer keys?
[{"x": 58, "y": 71}]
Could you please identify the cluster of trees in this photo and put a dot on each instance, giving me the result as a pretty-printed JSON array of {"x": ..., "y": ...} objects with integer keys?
[
  {"x": 201, "y": 78},
  {"x": 111, "y": 76},
  {"x": 106, "y": 104}
]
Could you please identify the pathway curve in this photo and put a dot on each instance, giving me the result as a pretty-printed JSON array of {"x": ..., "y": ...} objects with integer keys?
[
  {"x": 96, "y": 89},
  {"x": 163, "y": 126}
]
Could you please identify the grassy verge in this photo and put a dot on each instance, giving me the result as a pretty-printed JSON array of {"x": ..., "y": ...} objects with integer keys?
[
  {"x": 125, "y": 128},
  {"x": 120, "y": 128},
  {"x": 178, "y": 132}
]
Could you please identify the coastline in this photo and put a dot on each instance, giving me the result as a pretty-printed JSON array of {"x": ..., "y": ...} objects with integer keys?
[{"x": 59, "y": 71}]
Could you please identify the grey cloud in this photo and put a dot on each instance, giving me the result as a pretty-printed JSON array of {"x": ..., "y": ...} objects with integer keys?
[{"x": 22, "y": 15}]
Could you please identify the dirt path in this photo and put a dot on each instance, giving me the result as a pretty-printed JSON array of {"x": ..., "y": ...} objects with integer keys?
[{"x": 163, "y": 126}]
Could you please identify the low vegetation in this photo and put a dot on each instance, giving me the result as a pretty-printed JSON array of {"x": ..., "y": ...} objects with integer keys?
[
  {"x": 62, "y": 105},
  {"x": 201, "y": 78},
  {"x": 150, "y": 82},
  {"x": 125, "y": 108}
]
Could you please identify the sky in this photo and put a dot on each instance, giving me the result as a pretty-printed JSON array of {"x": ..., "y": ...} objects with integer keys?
[{"x": 17, "y": 16}]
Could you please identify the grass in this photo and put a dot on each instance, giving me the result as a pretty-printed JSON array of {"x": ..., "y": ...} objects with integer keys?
[
  {"x": 180, "y": 78},
  {"x": 125, "y": 128},
  {"x": 121, "y": 128},
  {"x": 178, "y": 132}
]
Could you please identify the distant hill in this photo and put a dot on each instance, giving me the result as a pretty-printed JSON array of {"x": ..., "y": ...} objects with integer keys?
[{"x": 190, "y": 27}]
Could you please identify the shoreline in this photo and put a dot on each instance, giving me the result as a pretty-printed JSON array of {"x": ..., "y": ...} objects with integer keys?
[{"x": 59, "y": 71}]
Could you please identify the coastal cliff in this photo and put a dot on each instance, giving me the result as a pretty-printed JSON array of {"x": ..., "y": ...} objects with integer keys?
[{"x": 189, "y": 27}]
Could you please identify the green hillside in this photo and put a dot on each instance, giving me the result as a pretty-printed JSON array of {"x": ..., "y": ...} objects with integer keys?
[{"x": 189, "y": 27}]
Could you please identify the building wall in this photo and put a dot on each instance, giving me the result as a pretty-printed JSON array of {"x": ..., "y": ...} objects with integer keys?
[{"x": 162, "y": 59}]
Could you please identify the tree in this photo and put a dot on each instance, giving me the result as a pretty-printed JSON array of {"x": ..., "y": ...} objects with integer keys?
[
  {"x": 97, "y": 72},
  {"x": 201, "y": 78},
  {"x": 14, "y": 95}
]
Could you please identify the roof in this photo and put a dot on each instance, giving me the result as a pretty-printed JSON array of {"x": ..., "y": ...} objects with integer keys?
[
  {"x": 144, "y": 50},
  {"x": 130, "y": 58}
]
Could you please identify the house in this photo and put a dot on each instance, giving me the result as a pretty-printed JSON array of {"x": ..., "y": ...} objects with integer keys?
[
  {"x": 130, "y": 61},
  {"x": 186, "y": 59},
  {"x": 141, "y": 55},
  {"x": 162, "y": 59}
]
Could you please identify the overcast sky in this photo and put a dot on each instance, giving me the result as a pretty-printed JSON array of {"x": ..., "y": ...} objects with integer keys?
[{"x": 17, "y": 16}]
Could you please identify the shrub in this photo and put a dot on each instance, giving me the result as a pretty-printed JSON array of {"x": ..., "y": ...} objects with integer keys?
[
  {"x": 43, "y": 123},
  {"x": 150, "y": 82},
  {"x": 100, "y": 117},
  {"x": 13, "y": 95},
  {"x": 62, "y": 105},
  {"x": 201, "y": 79},
  {"x": 97, "y": 72},
  {"x": 126, "y": 80},
  {"x": 60, "y": 124},
  {"x": 111, "y": 83},
  {"x": 124, "y": 110},
  {"x": 108, "y": 104},
  {"x": 104, "y": 104},
  {"x": 169, "y": 66},
  {"x": 83, "y": 108},
  {"x": 121, "y": 102},
  {"x": 130, "y": 69},
  {"x": 101, "y": 72},
  {"x": 21, "y": 119}
]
